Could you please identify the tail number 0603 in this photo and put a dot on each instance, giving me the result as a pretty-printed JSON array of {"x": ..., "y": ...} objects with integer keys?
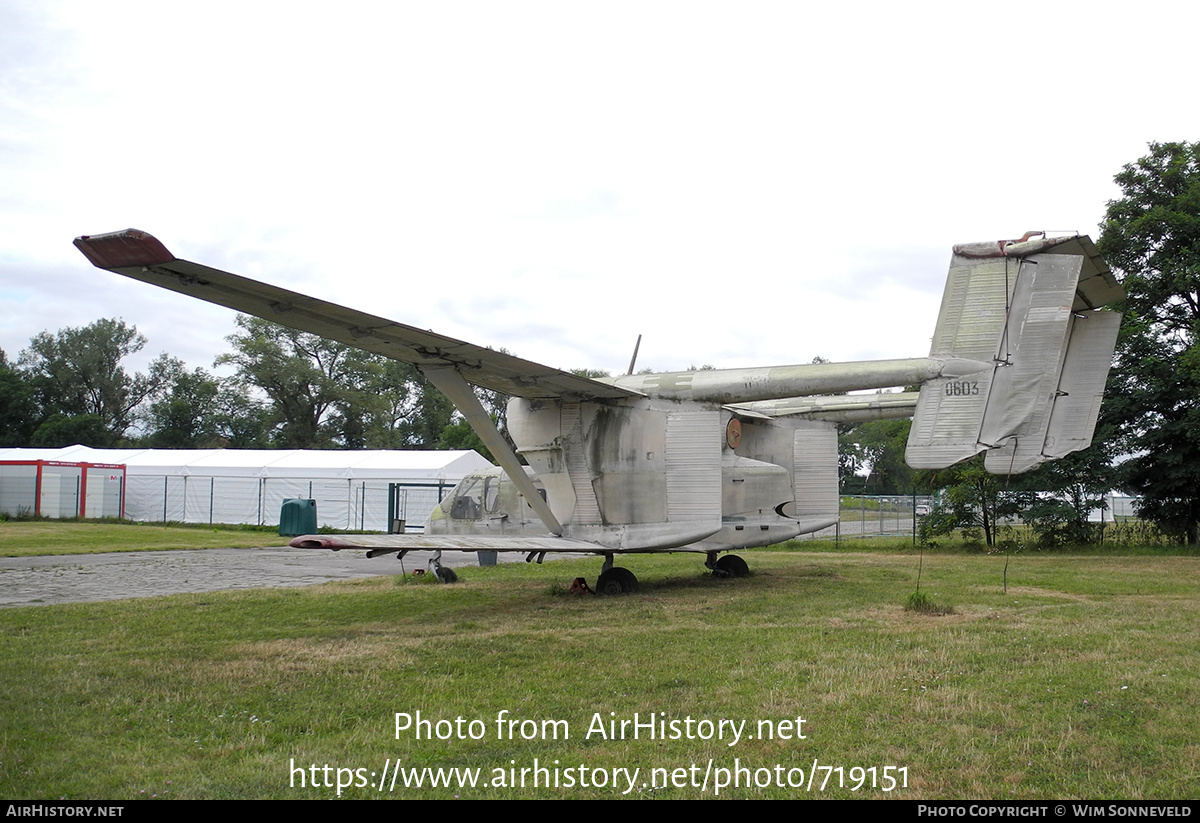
[{"x": 962, "y": 388}]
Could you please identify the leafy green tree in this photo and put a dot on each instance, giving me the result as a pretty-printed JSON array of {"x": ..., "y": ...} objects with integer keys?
[
  {"x": 971, "y": 499},
  {"x": 77, "y": 372},
  {"x": 323, "y": 394},
  {"x": 1151, "y": 238},
  {"x": 1069, "y": 490},
  {"x": 18, "y": 406},
  {"x": 239, "y": 420},
  {"x": 431, "y": 412},
  {"x": 185, "y": 417},
  {"x": 380, "y": 402},
  {"x": 303, "y": 376},
  {"x": 60, "y": 430},
  {"x": 365, "y": 408},
  {"x": 876, "y": 446},
  {"x": 460, "y": 435}
]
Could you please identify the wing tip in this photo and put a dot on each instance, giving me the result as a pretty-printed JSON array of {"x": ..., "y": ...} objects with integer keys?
[
  {"x": 313, "y": 541},
  {"x": 123, "y": 249}
]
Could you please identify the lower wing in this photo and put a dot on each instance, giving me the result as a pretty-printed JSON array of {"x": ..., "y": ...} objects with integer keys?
[{"x": 387, "y": 543}]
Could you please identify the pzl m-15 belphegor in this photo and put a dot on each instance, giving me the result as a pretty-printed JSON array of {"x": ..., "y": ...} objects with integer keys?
[{"x": 713, "y": 461}]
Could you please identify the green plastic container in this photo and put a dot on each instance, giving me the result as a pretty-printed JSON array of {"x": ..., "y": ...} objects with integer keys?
[{"x": 297, "y": 517}]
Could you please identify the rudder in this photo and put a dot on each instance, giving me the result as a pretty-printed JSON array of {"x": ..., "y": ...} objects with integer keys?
[{"x": 1031, "y": 309}]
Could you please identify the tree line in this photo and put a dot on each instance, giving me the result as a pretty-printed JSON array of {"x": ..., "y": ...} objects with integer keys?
[{"x": 291, "y": 389}]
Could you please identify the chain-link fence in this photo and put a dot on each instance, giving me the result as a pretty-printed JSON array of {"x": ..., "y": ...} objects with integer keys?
[
  {"x": 353, "y": 505},
  {"x": 875, "y": 516},
  {"x": 895, "y": 515}
]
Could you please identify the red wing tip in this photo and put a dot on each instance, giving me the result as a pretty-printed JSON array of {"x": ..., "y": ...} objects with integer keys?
[
  {"x": 123, "y": 249},
  {"x": 312, "y": 541}
]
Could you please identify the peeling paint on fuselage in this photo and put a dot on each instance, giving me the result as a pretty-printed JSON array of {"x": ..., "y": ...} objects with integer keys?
[{"x": 648, "y": 474}]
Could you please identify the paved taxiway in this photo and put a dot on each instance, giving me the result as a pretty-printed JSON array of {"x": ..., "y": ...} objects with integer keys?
[{"x": 27, "y": 581}]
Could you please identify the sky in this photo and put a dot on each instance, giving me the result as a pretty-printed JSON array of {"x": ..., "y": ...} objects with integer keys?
[{"x": 744, "y": 184}]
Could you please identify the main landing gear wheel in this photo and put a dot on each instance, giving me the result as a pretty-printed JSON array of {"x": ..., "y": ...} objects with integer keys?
[
  {"x": 731, "y": 566},
  {"x": 616, "y": 580}
]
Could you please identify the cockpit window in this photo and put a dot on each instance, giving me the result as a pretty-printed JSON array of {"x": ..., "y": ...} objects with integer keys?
[
  {"x": 466, "y": 503},
  {"x": 478, "y": 497},
  {"x": 491, "y": 495}
]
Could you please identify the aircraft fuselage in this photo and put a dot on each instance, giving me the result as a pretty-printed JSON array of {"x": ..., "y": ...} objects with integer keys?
[{"x": 648, "y": 475}]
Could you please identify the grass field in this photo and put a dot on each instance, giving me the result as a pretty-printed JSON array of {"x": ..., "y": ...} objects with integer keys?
[
  {"x": 1081, "y": 682},
  {"x": 40, "y": 537}
]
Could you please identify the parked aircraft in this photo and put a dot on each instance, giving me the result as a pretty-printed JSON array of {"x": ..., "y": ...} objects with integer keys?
[{"x": 721, "y": 460}]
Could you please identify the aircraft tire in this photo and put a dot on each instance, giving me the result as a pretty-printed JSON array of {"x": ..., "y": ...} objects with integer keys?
[
  {"x": 617, "y": 581},
  {"x": 731, "y": 565},
  {"x": 446, "y": 574}
]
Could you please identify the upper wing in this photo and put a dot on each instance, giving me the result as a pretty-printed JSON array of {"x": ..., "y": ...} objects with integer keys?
[{"x": 138, "y": 255}]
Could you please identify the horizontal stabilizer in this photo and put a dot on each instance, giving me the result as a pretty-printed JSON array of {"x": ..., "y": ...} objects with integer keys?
[{"x": 1030, "y": 310}]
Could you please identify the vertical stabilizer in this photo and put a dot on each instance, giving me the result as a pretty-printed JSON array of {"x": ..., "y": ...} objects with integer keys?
[{"x": 1032, "y": 310}]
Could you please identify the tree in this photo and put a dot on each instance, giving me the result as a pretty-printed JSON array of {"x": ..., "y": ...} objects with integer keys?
[
  {"x": 185, "y": 417},
  {"x": 376, "y": 397},
  {"x": 240, "y": 421},
  {"x": 324, "y": 394},
  {"x": 303, "y": 375},
  {"x": 60, "y": 430},
  {"x": 877, "y": 446},
  {"x": 18, "y": 406},
  {"x": 1069, "y": 490},
  {"x": 385, "y": 404},
  {"x": 430, "y": 413},
  {"x": 77, "y": 372},
  {"x": 1151, "y": 237},
  {"x": 972, "y": 498}
]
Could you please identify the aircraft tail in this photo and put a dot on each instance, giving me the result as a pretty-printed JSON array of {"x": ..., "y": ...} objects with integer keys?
[{"x": 1033, "y": 309}]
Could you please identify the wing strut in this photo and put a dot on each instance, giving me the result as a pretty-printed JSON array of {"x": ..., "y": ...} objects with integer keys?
[{"x": 450, "y": 383}]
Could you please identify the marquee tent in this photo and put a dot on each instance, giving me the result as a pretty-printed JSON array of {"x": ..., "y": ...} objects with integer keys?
[{"x": 234, "y": 485}]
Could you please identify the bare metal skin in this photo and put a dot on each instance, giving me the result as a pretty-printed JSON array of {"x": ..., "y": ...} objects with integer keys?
[{"x": 715, "y": 460}]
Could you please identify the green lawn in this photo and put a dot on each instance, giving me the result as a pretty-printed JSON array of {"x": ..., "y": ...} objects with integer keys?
[
  {"x": 26, "y": 538},
  {"x": 1080, "y": 682}
]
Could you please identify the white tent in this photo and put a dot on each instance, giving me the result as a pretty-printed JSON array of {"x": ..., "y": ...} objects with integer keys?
[{"x": 249, "y": 486}]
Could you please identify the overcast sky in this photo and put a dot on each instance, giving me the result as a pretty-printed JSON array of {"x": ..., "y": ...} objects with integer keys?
[{"x": 743, "y": 184}]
